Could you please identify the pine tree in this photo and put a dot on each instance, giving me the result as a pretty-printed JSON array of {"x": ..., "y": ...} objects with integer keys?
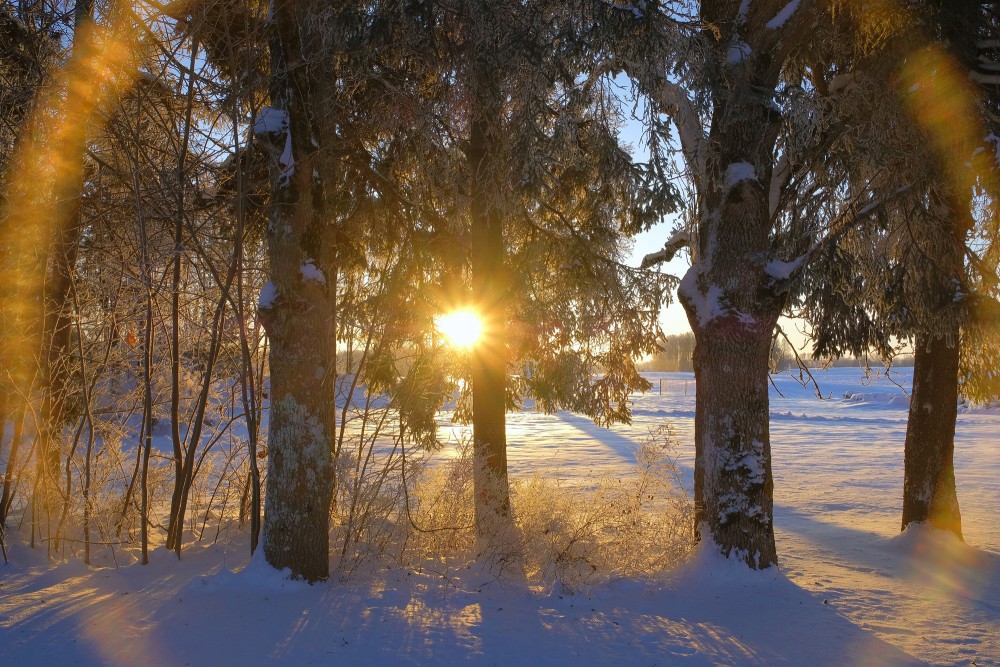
[
  {"x": 719, "y": 73},
  {"x": 919, "y": 274},
  {"x": 553, "y": 195}
]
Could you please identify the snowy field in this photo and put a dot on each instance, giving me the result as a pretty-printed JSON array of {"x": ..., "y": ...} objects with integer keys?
[{"x": 850, "y": 590}]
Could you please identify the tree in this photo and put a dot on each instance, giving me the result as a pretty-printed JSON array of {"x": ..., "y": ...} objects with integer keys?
[
  {"x": 759, "y": 112},
  {"x": 553, "y": 194},
  {"x": 929, "y": 489},
  {"x": 919, "y": 273},
  {"x": 725, "y": 100},
  {"x": 297, "y": 305},
  {"x": 342, "y": 215},
  {"x": 42, "y": 225}
]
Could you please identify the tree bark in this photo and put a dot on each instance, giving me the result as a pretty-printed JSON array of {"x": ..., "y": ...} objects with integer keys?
[
  {"x": 489, "y": 359},
  {"x": 929, "y": 494},
  {"x": 300, "y": 465},
  {"x": 733, "y": 327},
  {"x": 732, "y": 303},
  {"x": 299, "y": 315}
]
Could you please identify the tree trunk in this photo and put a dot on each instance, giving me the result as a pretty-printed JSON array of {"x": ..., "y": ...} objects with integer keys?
[
  {"x": 176, "y": 531},
  {"x": 489, "y": 359},
  {"x": 732, "y": 303},
  {"x": 929, "y": 494},
  {"x": 733, "y": 327},
  {"x": 66, "y": 231},
  {"x": 178, "y": 509},
  {"x": 9, "y": 486},
  {"x": 300, "y": 464},
  {"x": 733, "y": 483},
  {"x": 298, "y": 312}
]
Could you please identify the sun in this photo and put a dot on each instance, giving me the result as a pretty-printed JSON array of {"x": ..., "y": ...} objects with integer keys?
[{"x": 462, "y": 328}]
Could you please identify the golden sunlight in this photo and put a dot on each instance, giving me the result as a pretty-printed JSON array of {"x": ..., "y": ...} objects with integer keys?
[{"x": 462, "y": 328}]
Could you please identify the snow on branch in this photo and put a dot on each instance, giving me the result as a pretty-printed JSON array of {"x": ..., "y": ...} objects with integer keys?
[
  {"x": 737, "y": 52},
  {"x": 842, "y": 82},
  {"x": 638, "y": 9},
  {"x": 312, "y": 273},
  {"x": 782, "y": 16},
  {"x": 780, "y": 176},
  {"x": 271, "y": 121},
  {"x": 738, "y": 172},
  {"x": 674, "y": 101},
  {"x": 268, "y": 295},
  {"x": 784, "y": 270},
  {"x": 679, "y": 239},
  {"x": 742, "y": 12}
]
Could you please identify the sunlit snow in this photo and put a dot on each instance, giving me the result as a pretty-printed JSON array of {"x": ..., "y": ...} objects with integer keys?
[{"x": 850, "y": 589}]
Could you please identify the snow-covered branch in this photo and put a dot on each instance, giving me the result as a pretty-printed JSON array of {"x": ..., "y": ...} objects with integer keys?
[
  {"x": 782, "y": 16},
  {"x": 679, "y": 239},
  {"x": 780, "y": 176},
  {"x": 674, "y": 101},
  {"x": 786, "y": 272}
]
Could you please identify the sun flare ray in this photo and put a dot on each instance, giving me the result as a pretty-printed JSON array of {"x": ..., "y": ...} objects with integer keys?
[{"x": 462, "y": 329}]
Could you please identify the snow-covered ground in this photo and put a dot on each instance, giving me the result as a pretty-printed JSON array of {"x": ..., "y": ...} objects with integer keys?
[{"x": 850, "y": 590}]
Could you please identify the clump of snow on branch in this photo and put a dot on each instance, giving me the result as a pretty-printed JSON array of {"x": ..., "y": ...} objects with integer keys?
[
  {"x": 783, "y": 270},
  {"x": 312, "y": 273},
  {"x": 271, "y": 121},
  {"x": 275, "y": 122},
  {"x": 736, "y": 172},
  {"x": 743, "y": 12},
  {"x": 706, "y": 306},
  {"x": 268, "y": 294},
  {"x": 737, "y": 52},
  {"x": 679, "y": 239}
]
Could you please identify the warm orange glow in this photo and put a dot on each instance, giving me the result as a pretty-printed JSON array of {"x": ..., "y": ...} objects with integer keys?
[
  {"x": 462, "y": 328},
  {"x": 103, "y": 65},
  {"x": 946, "y": 107}
]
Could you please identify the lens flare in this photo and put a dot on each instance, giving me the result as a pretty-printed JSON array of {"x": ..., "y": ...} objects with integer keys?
[
  {"x": 461, "y": 328},
  {"x": 44, "y": 179}
]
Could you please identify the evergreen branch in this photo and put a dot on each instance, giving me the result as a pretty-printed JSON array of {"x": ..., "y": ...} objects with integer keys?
[{"x": 841, "y": 225}]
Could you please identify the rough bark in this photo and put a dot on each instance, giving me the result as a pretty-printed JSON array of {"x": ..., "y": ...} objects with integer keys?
[
  {"x": 299, "y": 317},
  {"x": 489, "y": 362},
  {"x": 732, "y": 327},
  {"x": 731, "y": 302},
  {"x": 929, "y": 494}
]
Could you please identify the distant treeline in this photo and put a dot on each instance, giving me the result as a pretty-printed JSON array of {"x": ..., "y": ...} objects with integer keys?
[{"x": 679, "y": 349}]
